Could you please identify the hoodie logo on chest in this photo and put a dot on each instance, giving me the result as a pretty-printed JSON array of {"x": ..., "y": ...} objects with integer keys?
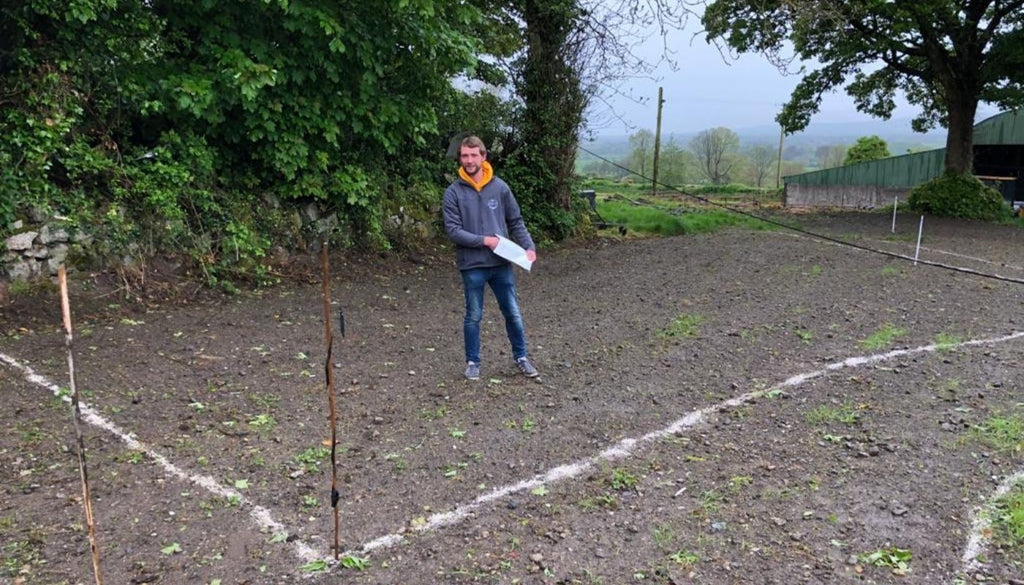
[{"x": 492, "y": 204}]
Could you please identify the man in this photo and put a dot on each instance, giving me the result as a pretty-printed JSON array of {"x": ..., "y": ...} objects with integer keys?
[{"x": 478, "y": 207}]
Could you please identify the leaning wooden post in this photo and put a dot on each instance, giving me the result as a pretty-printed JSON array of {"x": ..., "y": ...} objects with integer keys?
[
  {"x": 329, "y": 371},
  {"x": 65, "y": 306}
]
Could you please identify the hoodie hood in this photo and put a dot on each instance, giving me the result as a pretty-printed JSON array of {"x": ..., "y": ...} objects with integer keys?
[{"x": 488, "y": 174}]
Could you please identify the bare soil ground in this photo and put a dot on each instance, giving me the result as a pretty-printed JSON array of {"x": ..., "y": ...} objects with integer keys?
[{"x": 698, "y": 420}]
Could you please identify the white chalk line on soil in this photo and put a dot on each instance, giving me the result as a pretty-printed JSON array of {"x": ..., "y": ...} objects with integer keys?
[
  {"x": 262, "y": 516},
  {"x": 982, "y": 522},
  {"x": 962, "y": 256},
  {"x": 911, "y": 258},
  {"x": 627, "y": 447}
]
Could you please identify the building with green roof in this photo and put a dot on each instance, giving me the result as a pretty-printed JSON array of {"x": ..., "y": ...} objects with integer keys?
[{"x": 998, "y": 161}]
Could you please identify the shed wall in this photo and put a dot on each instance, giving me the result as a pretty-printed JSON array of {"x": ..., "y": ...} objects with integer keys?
[
  {"x": 908, "y": 170},
  {"x": 848, "y": 196}
]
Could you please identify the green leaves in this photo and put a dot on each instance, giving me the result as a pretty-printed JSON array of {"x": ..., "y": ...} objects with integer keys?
[
  {"x": 898, "y": 559},
  {"x": 162, "y": 126},
  {"x": 171, "y": 549},
  {"x": 867, "y": 148},
  {"x": 942, "y": 55}
]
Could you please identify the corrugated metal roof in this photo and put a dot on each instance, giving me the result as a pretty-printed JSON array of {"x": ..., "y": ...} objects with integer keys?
[
  {"x": 1005, "y": 128},
  {"x": 906, "y": 170},
  {"x": 910, "y": 170}
]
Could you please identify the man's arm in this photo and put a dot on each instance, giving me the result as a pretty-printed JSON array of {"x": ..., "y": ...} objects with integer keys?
[
  {"x": 517, "y": 227},
  {"x": 453, "y": 223}
]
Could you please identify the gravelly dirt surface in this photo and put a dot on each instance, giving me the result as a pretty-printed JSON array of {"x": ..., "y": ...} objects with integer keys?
[{"x": 638, "y": 457}]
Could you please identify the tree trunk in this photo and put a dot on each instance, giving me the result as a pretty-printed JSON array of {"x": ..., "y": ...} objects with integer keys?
[
  {"x": 960, "y": 138},
  {"x": 553, "y": 96}
]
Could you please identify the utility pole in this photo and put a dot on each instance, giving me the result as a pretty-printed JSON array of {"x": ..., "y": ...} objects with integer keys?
[
  {"x": 657, "y": 147},
  {"x": 778, "y": 174}
]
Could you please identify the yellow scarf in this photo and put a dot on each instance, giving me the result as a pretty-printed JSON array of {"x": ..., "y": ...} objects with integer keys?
[{"x": 488, "y": 174}]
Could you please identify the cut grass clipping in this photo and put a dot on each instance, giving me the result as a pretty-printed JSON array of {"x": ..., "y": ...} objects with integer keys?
[{"x": 668, "y": 220}]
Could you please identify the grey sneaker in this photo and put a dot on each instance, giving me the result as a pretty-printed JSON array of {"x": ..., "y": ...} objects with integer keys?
[
  {"x": 527, "y": 368},
  {"x": 472, "y": 371}
]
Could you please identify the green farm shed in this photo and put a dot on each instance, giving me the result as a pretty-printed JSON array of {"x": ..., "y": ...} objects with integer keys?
[{"x": 998, "y": 161}]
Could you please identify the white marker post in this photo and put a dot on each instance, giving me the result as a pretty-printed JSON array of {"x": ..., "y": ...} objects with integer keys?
[
  {"x": 895, "y": 203},
  {"x": 920, "y": 230}
]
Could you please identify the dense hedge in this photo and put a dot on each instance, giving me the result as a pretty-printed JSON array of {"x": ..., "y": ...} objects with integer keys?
[
  {"x": 959, "y": 195},
  {"x": 169, "y": 127}
]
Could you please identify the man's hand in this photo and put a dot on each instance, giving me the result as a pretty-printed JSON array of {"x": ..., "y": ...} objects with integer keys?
[
  {"x": 491, "y": 241},
  {"x": 531, "y": 255}
]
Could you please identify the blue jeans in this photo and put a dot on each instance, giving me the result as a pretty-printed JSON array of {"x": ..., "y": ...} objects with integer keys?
[{"x": 503, "y": 284}]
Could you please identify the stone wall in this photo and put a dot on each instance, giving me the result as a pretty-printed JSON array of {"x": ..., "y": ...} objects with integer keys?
[
  {"x": 848, "y": 196},
  {"x": 39, "y": 246},
  {"x": 37, "y": 252}
]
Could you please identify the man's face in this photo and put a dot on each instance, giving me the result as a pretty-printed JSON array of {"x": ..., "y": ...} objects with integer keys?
[{"x": 470, "y": 158}]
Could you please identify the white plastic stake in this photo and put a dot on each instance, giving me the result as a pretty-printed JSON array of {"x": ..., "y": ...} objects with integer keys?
[
  {"x": 895, "y": 203},
  {"x": 920, "y": 230}
]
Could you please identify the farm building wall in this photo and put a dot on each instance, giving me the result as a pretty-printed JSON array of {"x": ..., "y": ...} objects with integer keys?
[
  {"x": 907, "y": 170},
  {"x": 999, "y": 160},
  {"x": 849, "y": 196}
]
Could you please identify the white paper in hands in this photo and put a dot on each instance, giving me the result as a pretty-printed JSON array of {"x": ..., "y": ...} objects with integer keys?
[{"x": 512, "y": 252}]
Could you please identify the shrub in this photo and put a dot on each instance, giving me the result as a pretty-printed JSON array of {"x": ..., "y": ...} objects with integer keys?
[
  {"x": 868, "y": 148},
  {"x": 959, "y": 195}
]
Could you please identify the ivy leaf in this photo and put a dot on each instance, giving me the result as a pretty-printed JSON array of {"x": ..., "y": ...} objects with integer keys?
[{"x": 172, "y": 549}]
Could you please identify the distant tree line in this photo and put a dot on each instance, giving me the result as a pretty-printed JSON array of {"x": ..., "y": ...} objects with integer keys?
[{"x": 716, "y": 156}]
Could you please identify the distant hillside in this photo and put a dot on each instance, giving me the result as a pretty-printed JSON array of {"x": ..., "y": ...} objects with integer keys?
[
  {"x": 896, "y": 133},
  {"x": 892, "y": 131}
]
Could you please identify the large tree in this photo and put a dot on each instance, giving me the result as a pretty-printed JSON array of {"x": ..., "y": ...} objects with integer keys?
[
  {"x": 573, "y": 52},
  {"x": 945, "y": 56},
  {"x": 675, "y": 164},
  {"x": 642, "y": 142},
  {"x": 763, "y": 160},
  {"x": 549, "y": 85},
  {"x": 867, "y": 148},
  {"x": 715, "y": 150},
  {"x": 831, "y": 155}
]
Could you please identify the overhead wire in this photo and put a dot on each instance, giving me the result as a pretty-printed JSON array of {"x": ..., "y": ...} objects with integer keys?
[{"x": 803, "y": 231}]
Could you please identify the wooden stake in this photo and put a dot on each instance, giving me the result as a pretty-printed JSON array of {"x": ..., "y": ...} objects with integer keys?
[
  {"x": 329, "y": 371},
  {"x": 920, "y": 231},
  {"x": 895, "y": 204},
  {"x": 65, "y": 306}
]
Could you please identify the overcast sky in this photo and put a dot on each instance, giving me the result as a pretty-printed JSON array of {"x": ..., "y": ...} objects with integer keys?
[{"x": 705, "y": 91}]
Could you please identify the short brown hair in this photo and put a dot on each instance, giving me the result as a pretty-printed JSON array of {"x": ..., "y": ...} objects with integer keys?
[{"x": 474, "y": 142}]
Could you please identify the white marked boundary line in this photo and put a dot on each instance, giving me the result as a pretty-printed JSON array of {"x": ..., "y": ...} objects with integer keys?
[
  {"x": 982, "y": 522},
  {"x": 905, "y": 257},
  {"x": 981, "y": 516},
  {"x": 262, "y": 516},
  {"x": 962, "y": 256},
  {"x": 627, "y": 448}
]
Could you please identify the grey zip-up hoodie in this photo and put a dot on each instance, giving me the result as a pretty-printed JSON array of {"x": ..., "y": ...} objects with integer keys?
[{"x": 470, "y": 215}]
